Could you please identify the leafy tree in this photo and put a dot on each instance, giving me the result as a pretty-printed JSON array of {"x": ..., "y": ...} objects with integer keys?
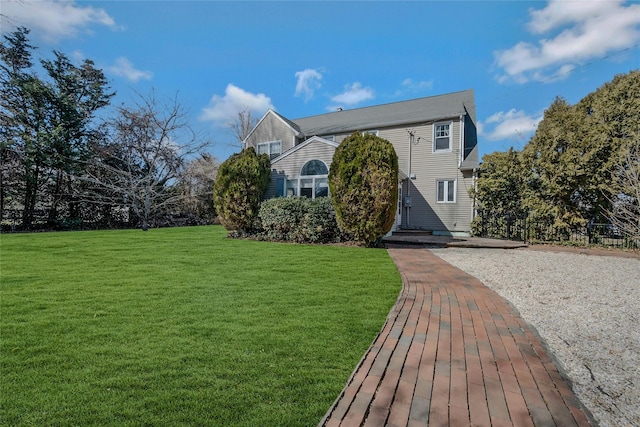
[
  {"x": 500, "y": 184},
  {"x": 552, "y": 157},
  {"x": 239, "y": 188},
  {"x": 363, "y": 180},
  {"x": 609, "y": 129},
  {"x": 579, "y": 166},
  {"x": 573, "y": 155},
  {"x": 76, "y": 95},
  {"x": 22, "y": 118},
  {"x": 46, "y": 126},
  {"x": 15, "y": 53},
  {"x": 499, "y": 189}
]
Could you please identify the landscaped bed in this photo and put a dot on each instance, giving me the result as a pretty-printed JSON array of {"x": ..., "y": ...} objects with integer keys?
[{"x": 182, "y": 327}]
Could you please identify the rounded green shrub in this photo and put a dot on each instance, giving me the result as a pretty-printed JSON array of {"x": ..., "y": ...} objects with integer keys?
[
  {"x": 280, "y": 218},
  {"x": 363, "y": 180},
  {"x": 239, "y": 188},
  {"x": 299, "y": 220}
]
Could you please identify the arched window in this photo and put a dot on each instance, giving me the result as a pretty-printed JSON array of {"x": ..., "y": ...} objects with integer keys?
[
  {"x": 313, "y": 181},
  {"x": 314, "y": 167}
]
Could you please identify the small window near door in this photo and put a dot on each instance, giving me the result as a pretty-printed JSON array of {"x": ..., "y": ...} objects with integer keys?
[{"x": 446, "y": 191}]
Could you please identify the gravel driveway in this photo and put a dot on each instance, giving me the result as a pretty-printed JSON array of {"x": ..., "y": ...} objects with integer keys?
[{"x": 586, "y": 308}]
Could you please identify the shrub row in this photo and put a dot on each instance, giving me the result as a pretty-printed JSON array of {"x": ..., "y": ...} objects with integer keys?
[{"x": 299, "y": 220}]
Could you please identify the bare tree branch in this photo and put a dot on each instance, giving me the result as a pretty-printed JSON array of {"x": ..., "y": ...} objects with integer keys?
[
  {"x": 625, "y": 214},
  {"x": 142, "y": 162},
  {"x": 241, "y": 125}
]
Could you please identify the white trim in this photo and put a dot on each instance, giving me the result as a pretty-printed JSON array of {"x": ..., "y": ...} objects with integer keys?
[{"x": 433, "y": 134}]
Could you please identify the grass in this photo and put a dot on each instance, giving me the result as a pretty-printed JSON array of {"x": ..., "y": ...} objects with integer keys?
[{"x": 182, "y": 327}]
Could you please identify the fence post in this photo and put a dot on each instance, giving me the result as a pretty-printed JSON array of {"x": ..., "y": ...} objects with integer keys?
[{"x": 508, "y": 225}]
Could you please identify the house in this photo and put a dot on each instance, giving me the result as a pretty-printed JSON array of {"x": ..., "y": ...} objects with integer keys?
[{"x": 435, "y": 139}]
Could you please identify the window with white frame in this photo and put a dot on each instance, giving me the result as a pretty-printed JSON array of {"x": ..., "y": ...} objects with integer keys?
[
  {"x": 273, "y": 149},
  {"x": 442, "y": 137},
  {"x": 446, "y": 191},
  {"x": 370, "y": 132},
  {"x": 313, "y": 181}
]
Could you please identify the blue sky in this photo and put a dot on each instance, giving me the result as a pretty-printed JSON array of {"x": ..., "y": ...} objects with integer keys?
[{"x": 304, "y": 58}]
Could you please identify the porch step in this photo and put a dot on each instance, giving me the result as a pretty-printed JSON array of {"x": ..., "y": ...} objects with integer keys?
[{"x": 409, "y": 232}]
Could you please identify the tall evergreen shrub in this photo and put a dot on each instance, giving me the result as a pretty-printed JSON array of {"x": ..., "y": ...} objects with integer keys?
[
  {"x": 363, "y": 180},
  {"x": 240, "y": 185}
]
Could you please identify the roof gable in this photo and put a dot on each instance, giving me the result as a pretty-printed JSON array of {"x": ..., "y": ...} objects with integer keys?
[{"x": 271, "y": 113}]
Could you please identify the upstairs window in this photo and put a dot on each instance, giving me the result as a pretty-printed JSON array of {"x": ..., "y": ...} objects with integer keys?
[
  {"x": 442, "y": 137},
  {"x": 273, "y": 149}
]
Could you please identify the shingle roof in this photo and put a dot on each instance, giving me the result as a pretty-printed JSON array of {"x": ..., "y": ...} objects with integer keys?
[{"x": 405, "y": 112}]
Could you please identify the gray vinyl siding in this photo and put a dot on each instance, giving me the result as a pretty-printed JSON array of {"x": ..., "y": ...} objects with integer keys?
[
  {"x": 289, "y": 166},
  {"x": 429, "y": 167},
  {"x": 392, "y": 121},
  {"x": 272, "y": 129}
]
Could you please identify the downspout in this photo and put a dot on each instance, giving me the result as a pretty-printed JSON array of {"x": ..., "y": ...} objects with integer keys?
[
  {"x": 474, "y": 179},
  {"x": 411, "y": 135},
  {"x": 461, "y": 153}
]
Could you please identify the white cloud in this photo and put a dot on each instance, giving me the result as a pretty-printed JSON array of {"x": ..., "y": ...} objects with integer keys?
[
  {"x": 78, "y": 56},
  {"x": 585, "y": 30},
  {"x": 353, "y": 94},
  {"x": 421, "y": 85},
  {"x": 124, "y": 68},
  {"x": 308, "y": 82},
  {"x": 513, "y": 124},
  {"x": 53, "y": 20},
  {"x": 409, "y": 86},
  {"x": 222, "y": 109}
]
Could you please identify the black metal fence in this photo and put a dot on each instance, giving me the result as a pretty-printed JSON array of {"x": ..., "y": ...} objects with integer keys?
[{"x": 519, "y": 227}]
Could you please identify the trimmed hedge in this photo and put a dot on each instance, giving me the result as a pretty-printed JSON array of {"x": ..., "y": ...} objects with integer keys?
[{"x": 299, "y": 220}]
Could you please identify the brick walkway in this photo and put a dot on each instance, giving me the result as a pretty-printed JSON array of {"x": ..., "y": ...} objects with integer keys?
[{"x": 453, "y": 353}]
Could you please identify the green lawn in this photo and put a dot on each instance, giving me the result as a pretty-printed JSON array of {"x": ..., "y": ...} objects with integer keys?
[{"x": 182, "y": 326}]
